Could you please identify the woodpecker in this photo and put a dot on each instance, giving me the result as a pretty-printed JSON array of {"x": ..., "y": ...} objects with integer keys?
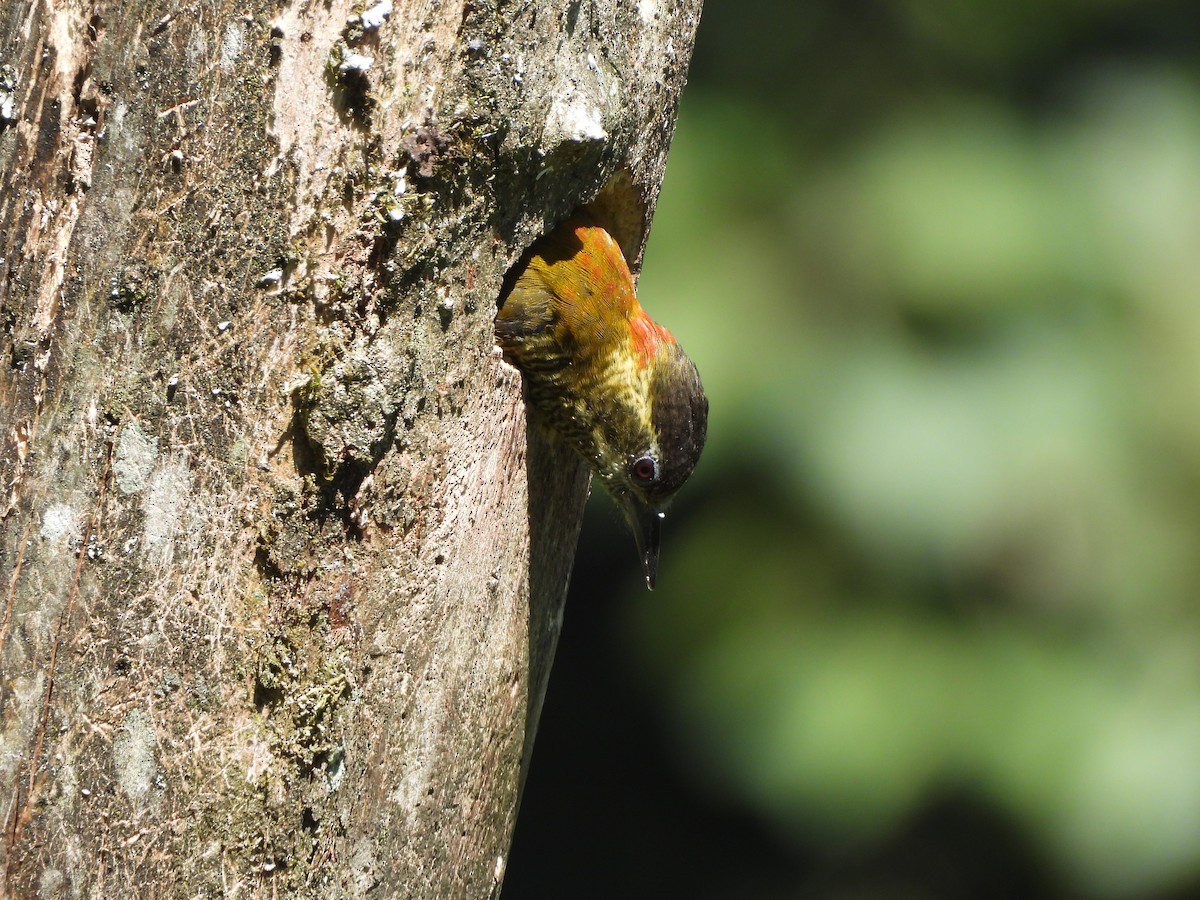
[{"x": 600, "y": 373}]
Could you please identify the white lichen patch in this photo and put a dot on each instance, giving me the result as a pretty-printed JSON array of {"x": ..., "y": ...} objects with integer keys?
[
  {"x": 134, "y": 458},
  {"x": 8, "y": 94},
  {"x": 270, "y": 279},
  {"x": 647, "y": 10},
  {"x": 337, "y": 769},
  {"x": 364, "y": 867},
  {"x": 376, "y": 15},
  {"x": 351, "y": 62},
  {"x": 51, "y": 883},
  {"x": 573, "y": 117},
  {"x": 22, "y": 711},
  {"x": 259, "y": 759},
  {"x": 196, "y": 52},
  {"x": 60, "y": 523},
  {"x": 133, "y": 754},
  {"x": 164, "y": 503},
  {"x": 232, "y": 43},
  {"x": 420, "y": 756}
]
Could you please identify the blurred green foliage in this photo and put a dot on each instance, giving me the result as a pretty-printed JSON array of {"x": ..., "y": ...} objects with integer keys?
[{"x": 939, "y": 265}]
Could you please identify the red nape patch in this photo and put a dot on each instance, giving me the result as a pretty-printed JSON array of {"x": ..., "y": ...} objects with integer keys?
[{"x": 648, "y": 336}]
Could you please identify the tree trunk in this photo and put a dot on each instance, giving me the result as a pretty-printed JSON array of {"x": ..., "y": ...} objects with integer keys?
[{"x": 284, "y": 569}]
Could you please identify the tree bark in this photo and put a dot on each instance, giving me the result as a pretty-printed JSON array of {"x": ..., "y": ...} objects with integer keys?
[{"x": 284, "y": 568}]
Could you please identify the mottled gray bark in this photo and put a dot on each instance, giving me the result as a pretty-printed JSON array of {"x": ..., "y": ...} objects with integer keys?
[{"x": 283, "y": 570}]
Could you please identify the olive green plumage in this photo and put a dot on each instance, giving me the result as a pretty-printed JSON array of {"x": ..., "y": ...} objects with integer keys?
[{"x": 603, "y": 375}]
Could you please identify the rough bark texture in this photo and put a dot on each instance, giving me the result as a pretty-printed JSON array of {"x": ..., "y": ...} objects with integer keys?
[{"x": 283, "y": 574}]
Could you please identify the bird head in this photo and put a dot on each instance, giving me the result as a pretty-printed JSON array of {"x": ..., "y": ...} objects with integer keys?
[{"x": 648, "y": 443}]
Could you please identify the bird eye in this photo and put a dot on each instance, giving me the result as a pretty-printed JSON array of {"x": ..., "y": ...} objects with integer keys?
[{"x": 644, "y": 470}]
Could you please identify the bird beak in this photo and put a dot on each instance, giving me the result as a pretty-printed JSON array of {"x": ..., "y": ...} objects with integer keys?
[{"x": 647, "y": 529}]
